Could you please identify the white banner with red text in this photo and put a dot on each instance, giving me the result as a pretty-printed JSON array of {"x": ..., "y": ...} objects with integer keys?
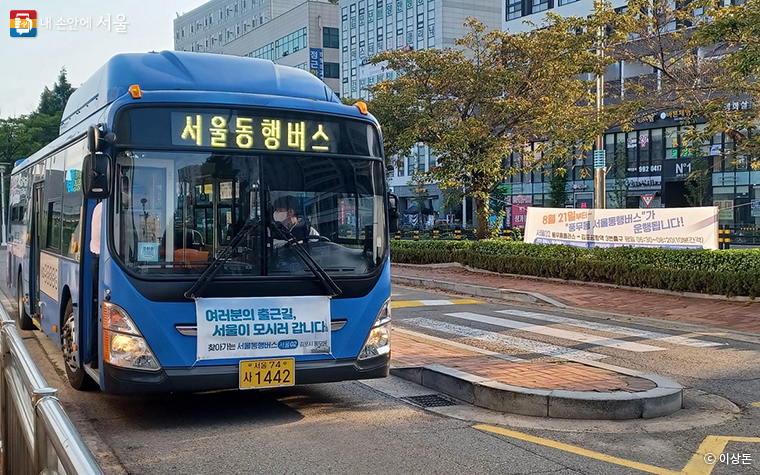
[{"x": 669, "y": 228}]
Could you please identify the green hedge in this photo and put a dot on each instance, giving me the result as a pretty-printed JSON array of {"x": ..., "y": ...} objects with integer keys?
[{"x": 728, "y": 272}]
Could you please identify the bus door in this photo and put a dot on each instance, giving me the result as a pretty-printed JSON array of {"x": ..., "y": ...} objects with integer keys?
[{"x": 34, "y": 264}]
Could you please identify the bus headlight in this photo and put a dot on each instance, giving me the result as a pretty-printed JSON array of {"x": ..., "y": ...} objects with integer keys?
[
  {"x": 123, "y": 344},
  {"x": 379, "y": 339}
]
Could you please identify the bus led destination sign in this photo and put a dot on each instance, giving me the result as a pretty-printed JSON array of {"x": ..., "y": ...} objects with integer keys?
[{"x": 244, "y": 132}]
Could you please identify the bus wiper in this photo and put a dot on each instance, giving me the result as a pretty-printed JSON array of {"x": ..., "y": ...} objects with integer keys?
[
  {"x": 221, "y": 259},
  {"x": 313, "y": 266}
]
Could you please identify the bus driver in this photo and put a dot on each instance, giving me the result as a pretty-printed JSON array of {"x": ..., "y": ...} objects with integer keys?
[{"x": 285, "y": 213}]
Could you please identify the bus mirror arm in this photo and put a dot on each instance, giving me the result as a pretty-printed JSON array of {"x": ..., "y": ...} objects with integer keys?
[{"x": 97, "y": 141}]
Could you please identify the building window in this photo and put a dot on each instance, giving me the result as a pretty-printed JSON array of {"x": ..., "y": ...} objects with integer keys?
[
  {"x": 330, "y": 38},
  {"x": 566, "y": 2},
  {"x": 514, "y": 9},
  {"x": 332, "y": 70},
  {"x": 540, "y": 5}
]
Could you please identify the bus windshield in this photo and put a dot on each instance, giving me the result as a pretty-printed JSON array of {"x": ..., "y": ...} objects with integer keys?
[{"x": 174, "y": 212}]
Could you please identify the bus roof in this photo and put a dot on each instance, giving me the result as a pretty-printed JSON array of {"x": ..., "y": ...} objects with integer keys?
[{"x": 183, "y": 71}]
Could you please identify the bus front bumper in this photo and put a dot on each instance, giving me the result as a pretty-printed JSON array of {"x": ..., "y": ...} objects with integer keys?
[{"x": 208, "y": 378}]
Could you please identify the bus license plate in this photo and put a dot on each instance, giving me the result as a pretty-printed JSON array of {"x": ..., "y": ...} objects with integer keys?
[{"x": 267, "y": 373}]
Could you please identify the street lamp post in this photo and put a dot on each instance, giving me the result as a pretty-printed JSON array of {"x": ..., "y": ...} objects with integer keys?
[
  {"x": 2, "y": 204},
  {"x": 600, "y": 159}
]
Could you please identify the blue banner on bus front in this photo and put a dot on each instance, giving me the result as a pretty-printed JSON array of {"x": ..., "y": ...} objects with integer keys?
[{"x": 262, "y": 327}]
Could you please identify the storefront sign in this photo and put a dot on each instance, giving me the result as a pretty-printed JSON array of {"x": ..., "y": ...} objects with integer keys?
[
  {"x": 677, "y": 170},
  {"x": 518, "y": 215},
  {"x": 756, "y": 209},
  {"x": 671, "y": 228},
  {"x": 316, "y": 65},
  {"x": 644, "y": 182},
  {"x": 522, "y": 200}
]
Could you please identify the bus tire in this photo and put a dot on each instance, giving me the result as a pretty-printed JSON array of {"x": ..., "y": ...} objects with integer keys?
[
  {"x": 24, "y": 320},
  {"x": 76, "y": 375}
]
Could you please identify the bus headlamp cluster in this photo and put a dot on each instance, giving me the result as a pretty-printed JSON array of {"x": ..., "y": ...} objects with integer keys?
[
  {"x": 379, "y": 339},
  {"x": 123, "y": 344}
]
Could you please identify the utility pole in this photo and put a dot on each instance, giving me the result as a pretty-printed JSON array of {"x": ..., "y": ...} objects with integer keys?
[{"x": 600, "y": 159}]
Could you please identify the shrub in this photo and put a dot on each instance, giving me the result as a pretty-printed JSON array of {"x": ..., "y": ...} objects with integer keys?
[{"x": 725, "y": 272}]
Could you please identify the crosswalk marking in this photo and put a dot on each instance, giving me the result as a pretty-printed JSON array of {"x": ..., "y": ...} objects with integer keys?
[
  {"x": 530, "y": 346},
  {"x": 430, "y": 303},
  {"x": 556, "y": 332},
  {"x": 455, "y": 344},
  {"x": 649, "y": 335}
]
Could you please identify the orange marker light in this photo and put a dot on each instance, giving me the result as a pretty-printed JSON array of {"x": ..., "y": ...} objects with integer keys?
[
  {"x": 135, "y": 92},
  {"x": 55, "y": 328},
  {"x": 362, "y": 107}
]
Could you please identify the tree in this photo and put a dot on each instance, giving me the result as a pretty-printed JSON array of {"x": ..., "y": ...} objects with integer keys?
[
  {"x": 558, "y": 183},
  {"x": 497, "y": 92},
  {"x": 736, "y": 30},
  {"x": 699, "y": 59},
  {"x": 16, "y": 140},
  {"x": 620, "y": 187},
  {"x": 421, "y": 195},
  {"x": 54, "y": 101},
  {"x": 699, "y": 182}
]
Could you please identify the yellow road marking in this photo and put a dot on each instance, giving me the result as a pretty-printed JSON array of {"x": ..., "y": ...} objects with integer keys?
[
  {"x": 712, "y": 444},
  {"x": 419, "y": 303},
  {"x": 756, "y": 404},
  {"x": 577, "y": 450}
]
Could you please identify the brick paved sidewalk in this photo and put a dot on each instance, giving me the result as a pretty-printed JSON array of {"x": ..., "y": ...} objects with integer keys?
[
  {"x": 410, "y": 351},
  {"x": 741, "y": 316}
]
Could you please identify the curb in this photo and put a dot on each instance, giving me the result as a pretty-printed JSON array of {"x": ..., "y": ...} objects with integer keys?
[
  {"x": 487, "y": 292},
  {"x": 662, "y": 400},
  {"x": 694, "y": 295}
]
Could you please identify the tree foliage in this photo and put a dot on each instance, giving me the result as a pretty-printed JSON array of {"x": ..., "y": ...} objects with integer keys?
[
  {"x": 22, "y": 136},
  {"x": 491, "y": 96},
  {"x": 620, "y": 186},
  {"x": 699, "y": 59},
  {"x": 558, "y": 178}
]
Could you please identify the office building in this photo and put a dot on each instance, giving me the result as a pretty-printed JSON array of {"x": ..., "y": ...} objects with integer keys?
[
  {"x": 656, "y": 157},
  {"x": 298, "y": 33},
  {"x": 368, "y": 27}
]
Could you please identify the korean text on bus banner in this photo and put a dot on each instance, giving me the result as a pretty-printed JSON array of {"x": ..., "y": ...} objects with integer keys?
[
  {"x": 670, "y": 228},
  {"x": 230, "y": 131},
  {"x": 262, "y": 327}
]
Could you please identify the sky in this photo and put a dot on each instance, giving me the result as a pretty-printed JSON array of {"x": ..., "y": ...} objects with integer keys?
[{"x": 32, "y": 63}]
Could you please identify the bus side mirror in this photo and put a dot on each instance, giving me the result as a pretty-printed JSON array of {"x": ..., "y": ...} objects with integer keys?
[
  {"x": 392, "y": 214},
  {"x": 96, "y": 176}
]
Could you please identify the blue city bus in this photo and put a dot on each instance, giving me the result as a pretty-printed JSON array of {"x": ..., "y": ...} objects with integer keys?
[{"x": 243, "y": 231}]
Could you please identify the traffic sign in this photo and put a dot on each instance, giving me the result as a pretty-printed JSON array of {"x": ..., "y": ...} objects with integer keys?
[{"x": 647, "y": 199}]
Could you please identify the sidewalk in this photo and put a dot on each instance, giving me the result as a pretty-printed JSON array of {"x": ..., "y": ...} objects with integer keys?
[
  {"x": 564, "y": 389},
  {"x": 740, "y": 316}
]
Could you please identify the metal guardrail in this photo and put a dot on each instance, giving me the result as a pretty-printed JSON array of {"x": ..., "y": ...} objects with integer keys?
[{"x": 37, "y": 435}]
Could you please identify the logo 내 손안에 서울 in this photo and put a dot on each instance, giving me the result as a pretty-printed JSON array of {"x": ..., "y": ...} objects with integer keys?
[{"x": 23, "y": 23}]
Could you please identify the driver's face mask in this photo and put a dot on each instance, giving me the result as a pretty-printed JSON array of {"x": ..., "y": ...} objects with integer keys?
[{"x": 280, "y": 215}]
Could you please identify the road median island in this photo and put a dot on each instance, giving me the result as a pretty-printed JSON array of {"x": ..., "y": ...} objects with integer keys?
[{"x": 558, "y": 389}]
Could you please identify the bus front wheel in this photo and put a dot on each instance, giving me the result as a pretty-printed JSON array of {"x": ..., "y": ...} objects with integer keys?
[
  {"x": 24, "y": 320},
  {"x": 75, "y": 373}
]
